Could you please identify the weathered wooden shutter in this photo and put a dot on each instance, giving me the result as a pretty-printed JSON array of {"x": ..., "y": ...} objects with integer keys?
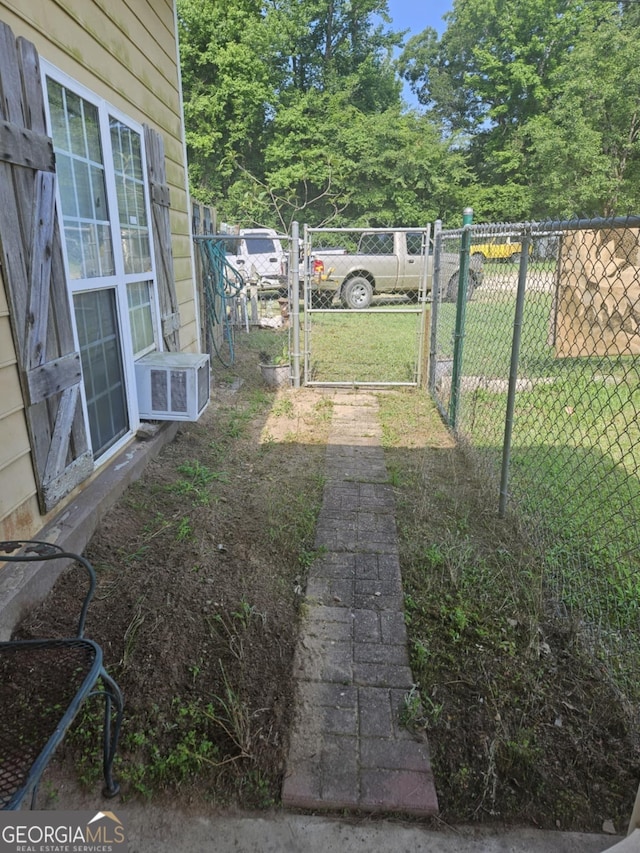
[
  {"x": 162, "y": 238},
  {"x": 33, "y": 272}
]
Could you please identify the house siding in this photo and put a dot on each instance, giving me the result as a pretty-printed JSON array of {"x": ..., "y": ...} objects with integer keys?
[{"x": 125, "y": 52}]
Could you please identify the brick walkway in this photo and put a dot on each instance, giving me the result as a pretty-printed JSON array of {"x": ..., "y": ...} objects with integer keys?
[{"x": 352, "y": 672}]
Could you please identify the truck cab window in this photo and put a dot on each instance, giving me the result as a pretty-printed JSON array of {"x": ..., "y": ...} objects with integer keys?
[{"x": 414, "y": 243}]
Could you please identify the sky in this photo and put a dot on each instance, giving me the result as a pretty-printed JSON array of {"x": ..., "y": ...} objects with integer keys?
[{"x": 415, "y": 15}]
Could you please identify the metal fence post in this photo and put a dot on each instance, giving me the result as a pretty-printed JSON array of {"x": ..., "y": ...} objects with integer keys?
[
  {"x": 513, "y": 374},
  {"x": 423, "y": 334},
  {"x": 306, "y": 248},
  {"x": 463, "y": 279},
  {"x": 435, "y": 301},
  {"x": 294, "y": 299}
]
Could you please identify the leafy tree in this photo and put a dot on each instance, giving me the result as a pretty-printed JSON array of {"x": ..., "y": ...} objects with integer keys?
[
  {"x": 229, "y": 89},
  {"x": 536, "y": 85},
  {"x": 293, "y": 107},
  {"x": 494, "y": 62},
  {"x": 585, "y": 151},
  {"x": 327, "y": 42},
  {"x": 330, "y": 163}
]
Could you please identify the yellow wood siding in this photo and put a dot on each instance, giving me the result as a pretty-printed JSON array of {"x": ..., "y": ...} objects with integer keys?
[
  {"x": 7, "y": 350},
  {"x": 126, "y": 52},
  {"x": 19, "y": 473},
  {"x": 15, "y": 441},
  {"x": 17, "y": 483}
]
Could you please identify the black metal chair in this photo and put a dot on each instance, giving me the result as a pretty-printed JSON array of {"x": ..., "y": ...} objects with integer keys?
[{"x": 43, "y": 684}]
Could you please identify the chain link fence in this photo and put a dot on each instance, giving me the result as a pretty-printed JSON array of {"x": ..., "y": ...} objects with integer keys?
[
  {"x": 244, "y": 281},
  {"x": 538, "y": 373}
]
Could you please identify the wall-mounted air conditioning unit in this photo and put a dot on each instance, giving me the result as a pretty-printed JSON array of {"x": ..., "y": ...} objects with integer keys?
[{"x": 172, "y": 386}]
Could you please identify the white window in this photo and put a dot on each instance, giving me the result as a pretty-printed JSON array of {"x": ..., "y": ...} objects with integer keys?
[
  {"x": 140, "y": 295},
  {"x": 104, "y": 203},
  {"x": 81, "y": 179}
]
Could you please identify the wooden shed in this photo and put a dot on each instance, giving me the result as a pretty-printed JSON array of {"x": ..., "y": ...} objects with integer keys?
[{"x": 96, "y": 259}]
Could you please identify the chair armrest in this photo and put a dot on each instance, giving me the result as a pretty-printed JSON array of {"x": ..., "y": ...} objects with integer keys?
[{"x": 33, "y": 550}]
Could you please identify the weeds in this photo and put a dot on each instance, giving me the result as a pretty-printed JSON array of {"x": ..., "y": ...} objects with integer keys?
[
  {"x": 245, "y": 613},
  {"x": 323, "y": 410},
  {"x": 419, "y": 712},
  {"x": 231, "y": 714},
  {"x": 493, "y": 651},
  {"x": 131, "y": 633},
  {"x": 307, "y": 557},
  {"x": 283, "y": 408},
  {"x": 195, "y": 481},
  {"x": 185, "y": 530}
]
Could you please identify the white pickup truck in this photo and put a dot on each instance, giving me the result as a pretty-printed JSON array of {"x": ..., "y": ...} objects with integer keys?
[
  {"x": 257, "y": 254},
  {"x": 385, "y": 262}
]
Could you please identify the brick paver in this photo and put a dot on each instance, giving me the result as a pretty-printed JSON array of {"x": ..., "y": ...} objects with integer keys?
[{"x": 348, "y": 749}]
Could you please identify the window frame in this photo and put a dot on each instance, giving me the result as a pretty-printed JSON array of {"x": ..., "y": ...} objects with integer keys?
[{"x": 120, "y": 280}]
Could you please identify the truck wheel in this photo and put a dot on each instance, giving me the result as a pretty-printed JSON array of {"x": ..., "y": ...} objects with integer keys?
[
  {"x": 451, "y": 292},
  {"x": 357, "y": 292}
]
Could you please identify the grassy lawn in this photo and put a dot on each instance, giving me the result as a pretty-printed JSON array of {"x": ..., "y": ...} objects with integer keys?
[
  {"x": 489, "y": 334},
  {"x": 359, "y": 347},
  {"x": 575, "y": 451}
]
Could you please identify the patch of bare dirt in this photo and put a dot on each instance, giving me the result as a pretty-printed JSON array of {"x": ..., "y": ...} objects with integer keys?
[{"x": 201, "y": 569}]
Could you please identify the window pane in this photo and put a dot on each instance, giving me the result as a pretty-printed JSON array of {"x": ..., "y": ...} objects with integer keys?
[
  {"x": 138, "y": 200},
  {"x": 64, "y": 169},
  {"x": 136, "y": 157},
  {"x": 83, "y": 189},
  {"x": 75, "y": 122},
  {"x": 129, "y": 173},
  {"x": 92, "y": 130},
  {"x": 259, "y": 245},
  {"x": 73, "y": 242},
  {"x": 58, "y": 118},
  {"x": 144, "y": 251},
  {"x": 80, "y": 171},
  {"x": 140, "y": 317},
  {"x": 99, "y": 193},
  {"x": 414, "y": 244},
  {"x": 102, "y": 372},
  {"x": 106, "y": 250},
  {"x": 90, "y": 251}
]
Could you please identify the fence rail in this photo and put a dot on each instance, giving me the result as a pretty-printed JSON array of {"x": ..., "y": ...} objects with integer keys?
[{"x": 546, "y": 399}]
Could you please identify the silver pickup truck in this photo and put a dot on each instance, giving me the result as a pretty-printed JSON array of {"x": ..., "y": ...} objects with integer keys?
[{"x": 384, "y": 262}]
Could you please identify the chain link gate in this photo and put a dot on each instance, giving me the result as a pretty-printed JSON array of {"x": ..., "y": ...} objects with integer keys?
[{"x": 365, "y": 306}]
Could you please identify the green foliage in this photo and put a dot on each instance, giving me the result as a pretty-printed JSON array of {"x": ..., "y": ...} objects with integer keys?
[
  {"x": 185, "y": 530},
  {"x": 228, "y": 84},
  {"x": 294, "y": 111},
  {"x": 585, "y": 150},
  {"x": 535, "y": 86},
  {"x": 195, "y": 481}
]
